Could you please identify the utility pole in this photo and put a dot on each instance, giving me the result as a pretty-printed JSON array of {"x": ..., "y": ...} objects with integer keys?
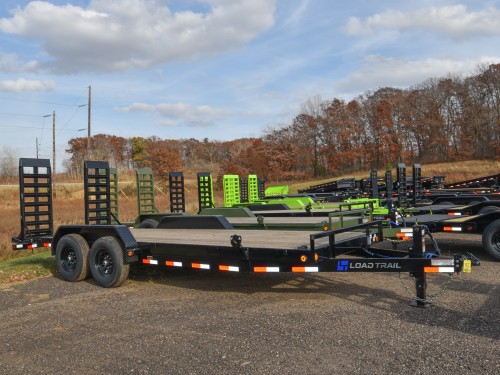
[
  {"x": 54, "y": 149},
  {"x": 88, "y": 116},
  {"x": 37, "y": 147}
]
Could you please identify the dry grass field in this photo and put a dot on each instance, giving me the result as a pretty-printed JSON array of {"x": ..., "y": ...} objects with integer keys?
[{"x": 69, "y": 206}]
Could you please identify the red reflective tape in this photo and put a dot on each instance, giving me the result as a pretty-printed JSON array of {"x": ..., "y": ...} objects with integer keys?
[
  {"x": 229, "y": 268},
  {"x": 200, "y": 266},
  {"x": 171, "y": 263},
  {"x": 304, "y": 269},
  {"x": 266, "y": 269},
  {"x": 434, "y": 269},
  {"x": 452, "y": 229}
]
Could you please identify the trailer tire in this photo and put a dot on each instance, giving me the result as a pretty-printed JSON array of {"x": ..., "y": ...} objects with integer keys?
[
  {"x": 491, "y": 239},
  {"x": 106, "y": 262},
  {"x": 149, "y": 224},
  {"x": 72, "y": 257},
  {"x": 488, "y": 209}
]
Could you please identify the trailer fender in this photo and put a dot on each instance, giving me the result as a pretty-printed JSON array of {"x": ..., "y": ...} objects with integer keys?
[
  {"x": 491, "y": 239},
  {"x": 488, "y": 209},
  {"x": 92, "y": 233}
]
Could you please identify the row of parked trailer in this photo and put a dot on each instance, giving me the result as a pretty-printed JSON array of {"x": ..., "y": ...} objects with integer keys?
[{"x": 257, "y": 237}]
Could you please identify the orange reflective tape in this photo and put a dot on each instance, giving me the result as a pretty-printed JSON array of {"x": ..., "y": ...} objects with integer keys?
[
  {"x": 200, "y": 266},
  {"x": 430, "y": 269}
]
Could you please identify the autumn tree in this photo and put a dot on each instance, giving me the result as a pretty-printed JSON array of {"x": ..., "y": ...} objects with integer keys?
[
  {"x": 440, "y": 119},
  {"x": 161, "y": 159}
]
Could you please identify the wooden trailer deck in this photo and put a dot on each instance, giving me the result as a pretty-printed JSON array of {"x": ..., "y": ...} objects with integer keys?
[{"x": 280, "y": 240}]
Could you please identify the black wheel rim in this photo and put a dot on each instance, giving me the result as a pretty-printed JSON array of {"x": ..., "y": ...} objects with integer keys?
[
  {"x": 68, "y": 260},
  {"x": 495, "y": 241},
  {"x": 104, "y": 263}
]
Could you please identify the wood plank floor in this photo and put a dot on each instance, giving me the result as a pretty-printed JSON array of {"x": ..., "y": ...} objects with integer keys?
[{"x": 271, "y": 239}]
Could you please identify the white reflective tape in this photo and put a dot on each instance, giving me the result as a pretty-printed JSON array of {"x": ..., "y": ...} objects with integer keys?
[
  {"x": 311, "y": 269},
  {"x": 229, "y": 268},
  {"x": 34, "y": 245},
  {"x": 447, "y": 269},
  {"x": 19, "y": 246},
  {"x": 200, "y": 266},
  {"x": 272, "y": 269},
  {"x": 442, "y": 262},
  {"x": 173, "y": 263},
  {"x": 266, "y": 269}
]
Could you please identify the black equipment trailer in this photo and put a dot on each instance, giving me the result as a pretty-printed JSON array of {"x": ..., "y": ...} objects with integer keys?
[
  {"x": 487, "y": 224},
  {"x": 107, "y": 251}
]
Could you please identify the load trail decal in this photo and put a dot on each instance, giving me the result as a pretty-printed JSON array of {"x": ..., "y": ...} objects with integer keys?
[{"x": 348, "y": 265}]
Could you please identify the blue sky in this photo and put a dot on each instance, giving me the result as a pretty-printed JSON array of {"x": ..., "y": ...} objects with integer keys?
[{"x": 220, "y": 69}]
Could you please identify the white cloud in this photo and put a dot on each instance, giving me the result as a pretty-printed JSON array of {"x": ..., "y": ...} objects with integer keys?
[
  {"x": 455, "y": 21},
  {"x": 10, "y": 63},
  {"x": 297, "y": 14},
  {"x": 111, "y": 36},
  {"x": 380, "y": 71},
  {"x": 181, "y": 113},
  {"x": 22, "y": 84}
]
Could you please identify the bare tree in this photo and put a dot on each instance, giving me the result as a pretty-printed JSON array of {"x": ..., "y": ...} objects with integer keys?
[{"x": 8, "y": 162}]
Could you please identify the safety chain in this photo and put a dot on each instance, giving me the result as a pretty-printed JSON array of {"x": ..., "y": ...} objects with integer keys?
[{"x": 431, "y": 298}]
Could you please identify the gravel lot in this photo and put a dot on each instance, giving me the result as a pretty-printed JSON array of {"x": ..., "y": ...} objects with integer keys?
[{"x": 193, "y": 322}]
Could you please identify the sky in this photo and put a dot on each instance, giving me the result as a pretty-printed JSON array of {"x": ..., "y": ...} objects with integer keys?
[{"x": 216, "y": 69}]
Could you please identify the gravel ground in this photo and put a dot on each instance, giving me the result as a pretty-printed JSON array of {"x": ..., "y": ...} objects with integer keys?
[{"x": 192, "y": 322}]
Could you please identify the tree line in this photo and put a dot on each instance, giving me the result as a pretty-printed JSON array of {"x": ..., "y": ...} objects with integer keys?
[{"x": 445, "y": 119}]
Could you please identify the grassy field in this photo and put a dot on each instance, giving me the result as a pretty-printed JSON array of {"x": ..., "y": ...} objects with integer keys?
[
  {"x": 69, "y": 209},
  {"x": 31, "y": 266}
]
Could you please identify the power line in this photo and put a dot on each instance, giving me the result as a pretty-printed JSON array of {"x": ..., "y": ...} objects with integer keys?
[
  {"x": 39, "y": 128},
  {"x": 40, "y": 102},
  {"x": 73, "y": 115},
  {"x": 19, "y": 114}
]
